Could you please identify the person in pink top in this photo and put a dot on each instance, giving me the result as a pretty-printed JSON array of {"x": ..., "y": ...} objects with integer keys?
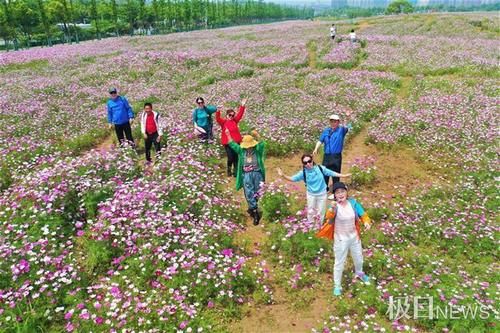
[{"x": 231, "y": 123}]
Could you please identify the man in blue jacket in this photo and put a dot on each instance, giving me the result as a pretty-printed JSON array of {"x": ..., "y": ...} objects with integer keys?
[
  {"x": 121, "y": 115},
  {"x": 333, "y": 139}
]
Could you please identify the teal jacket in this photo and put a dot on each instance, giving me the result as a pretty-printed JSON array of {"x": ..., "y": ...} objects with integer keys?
[
  {"x": 261, "y": 155},
  {"x": 201, "y": 116}
]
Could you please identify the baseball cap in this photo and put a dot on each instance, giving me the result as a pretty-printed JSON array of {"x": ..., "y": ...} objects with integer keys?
[
  {"x": 338, "y": 185},
  {"x": 112, "y": 90},
  {"x": 334, "y": 117}
]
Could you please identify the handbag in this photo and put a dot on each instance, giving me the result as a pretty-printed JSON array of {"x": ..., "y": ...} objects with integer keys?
[{"x": 326, "y": 231}]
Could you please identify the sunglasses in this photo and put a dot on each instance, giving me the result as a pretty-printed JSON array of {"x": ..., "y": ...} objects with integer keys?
[
  {"x": 113, "y": 93},
  {"x": 200, "y": 102},
  {"x": 306, "y": 162},
  {"x": 230, "y": 115}
]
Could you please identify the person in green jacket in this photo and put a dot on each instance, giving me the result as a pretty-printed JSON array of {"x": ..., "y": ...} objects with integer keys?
[
  {"x": 202, "y": 119},
  {"x": 251, "y": 171}
]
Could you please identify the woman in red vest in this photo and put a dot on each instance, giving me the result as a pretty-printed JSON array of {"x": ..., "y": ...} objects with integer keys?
[{"x": 231, "y": 123}]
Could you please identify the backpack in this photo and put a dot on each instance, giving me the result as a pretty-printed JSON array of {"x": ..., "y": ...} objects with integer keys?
[{"x": 320, "y": 169}]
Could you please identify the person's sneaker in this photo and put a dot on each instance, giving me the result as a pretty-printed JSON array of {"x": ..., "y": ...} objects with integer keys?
[
  {"x": 331, "y": 197},
  {"x": 363, "y": 277},
  {"x": 337, "y": 291}
]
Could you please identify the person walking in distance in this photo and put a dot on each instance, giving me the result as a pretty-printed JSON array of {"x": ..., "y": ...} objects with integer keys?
[{"x": 333, "y": 31}]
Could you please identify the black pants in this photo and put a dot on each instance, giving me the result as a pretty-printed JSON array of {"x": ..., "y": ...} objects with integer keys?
[
  {"x": 152, "y": 140},
  {"x": 232, "y": 158},
  {"x": 208, "y": 135},
  {"x": 124, "y": 129},
  {"x": 334, "y": 163}
]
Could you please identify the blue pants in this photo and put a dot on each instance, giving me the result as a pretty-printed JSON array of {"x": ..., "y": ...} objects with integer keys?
[{"x": 251, "y": 185}]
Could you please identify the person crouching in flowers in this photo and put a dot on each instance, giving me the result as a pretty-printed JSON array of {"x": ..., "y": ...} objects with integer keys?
[
  {"x": 343, "y": 218},
  {"x": 313, "y": 176},
  {"x": 251, "y": 171}
]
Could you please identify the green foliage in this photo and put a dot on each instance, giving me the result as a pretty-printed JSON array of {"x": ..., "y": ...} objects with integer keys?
[
  {"x": 5, "y": 177},
  {"x": 98, "y": 256},
  {"x": 246, "y": 72},
  {"x": 275, "y": 206},
  {"x": 362, "y": 177},
  {"x": 92, "y": 199},
  {"x": 34, "y": 22},
  {"x": 399, "y": 7}
]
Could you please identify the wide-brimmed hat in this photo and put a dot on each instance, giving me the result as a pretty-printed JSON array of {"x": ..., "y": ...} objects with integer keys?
[{"x": 248, "y": 142}]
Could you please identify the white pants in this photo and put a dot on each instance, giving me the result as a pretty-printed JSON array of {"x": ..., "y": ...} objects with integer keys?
[
  {"x": 316, "y": 207},
  {"x": 340, "y": 249}
]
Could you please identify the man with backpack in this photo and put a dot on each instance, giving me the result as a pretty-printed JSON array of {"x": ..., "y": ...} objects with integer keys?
[
  {"x": 314, "y": 177},
  {"x": 121, "y": 115}
]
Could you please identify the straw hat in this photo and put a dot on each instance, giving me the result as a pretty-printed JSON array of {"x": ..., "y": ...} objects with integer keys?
[{"x": 248, "y": 142}]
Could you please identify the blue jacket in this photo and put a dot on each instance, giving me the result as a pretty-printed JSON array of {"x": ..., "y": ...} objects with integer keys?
[
  {"x": 334, "y": 139},
  {"x": 119, "y": 111},
  {"x": 315, "y": 179}
]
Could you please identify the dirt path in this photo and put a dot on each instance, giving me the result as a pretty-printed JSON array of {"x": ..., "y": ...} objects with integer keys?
[
  {"x": 398, "y": 172},
  {"x": 106, "y": 144}
]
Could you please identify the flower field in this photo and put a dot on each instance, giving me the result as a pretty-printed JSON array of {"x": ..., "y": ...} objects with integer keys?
[{"x": 93, "y": 240}]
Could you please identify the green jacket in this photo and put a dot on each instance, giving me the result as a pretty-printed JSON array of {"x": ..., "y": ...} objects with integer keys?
[{"x": 261, "y": 155}]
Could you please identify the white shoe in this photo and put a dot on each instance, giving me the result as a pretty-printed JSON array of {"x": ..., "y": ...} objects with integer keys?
[{"x": 331, "y": 197}]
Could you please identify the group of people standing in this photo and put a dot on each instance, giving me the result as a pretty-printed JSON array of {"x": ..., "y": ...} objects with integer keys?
[{"x": 245, "y": 161}]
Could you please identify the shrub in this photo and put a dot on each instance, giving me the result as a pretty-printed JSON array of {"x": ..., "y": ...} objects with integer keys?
[
  {"x": 275, "y": 202},
  {"x": 364, "y": 171}
]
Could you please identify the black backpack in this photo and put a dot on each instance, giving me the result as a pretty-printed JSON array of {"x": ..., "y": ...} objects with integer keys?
[{"x": 320, "y": 169}]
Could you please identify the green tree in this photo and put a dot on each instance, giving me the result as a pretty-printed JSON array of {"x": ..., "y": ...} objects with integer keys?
[{"x": 399, "y": 6}]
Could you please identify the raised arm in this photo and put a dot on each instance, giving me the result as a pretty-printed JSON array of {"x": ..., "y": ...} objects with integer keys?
[
  {"x": 234, "y": 146},
  {"x": 241, "y": 110},
  {"x": 219, "y": 118},
  {"x": 295, "y": 178},
  {"x": 331, "y": 173}
]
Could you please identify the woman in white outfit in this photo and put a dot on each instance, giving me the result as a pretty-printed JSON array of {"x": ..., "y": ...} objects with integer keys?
[{"x": 346, "y": 215}]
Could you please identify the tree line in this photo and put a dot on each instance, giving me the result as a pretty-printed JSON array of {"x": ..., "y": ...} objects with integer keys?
[
  {"x": 403, "y": 7},
  {"x": 25, "y": 23}
]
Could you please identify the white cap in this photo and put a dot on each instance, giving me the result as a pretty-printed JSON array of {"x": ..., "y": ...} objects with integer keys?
[{"x": 334, "y": 117}]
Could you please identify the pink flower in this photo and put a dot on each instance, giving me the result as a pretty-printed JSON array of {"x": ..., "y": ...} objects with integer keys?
[
  {"x": 85, "y": 315},
  {"x": 99, "y": 321},
  {"x": 183, "y": 324},
  {"x": 69, "y": 327},
  {"x": 68, "y": 315},
  {"x": 227, "y": 252}
]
